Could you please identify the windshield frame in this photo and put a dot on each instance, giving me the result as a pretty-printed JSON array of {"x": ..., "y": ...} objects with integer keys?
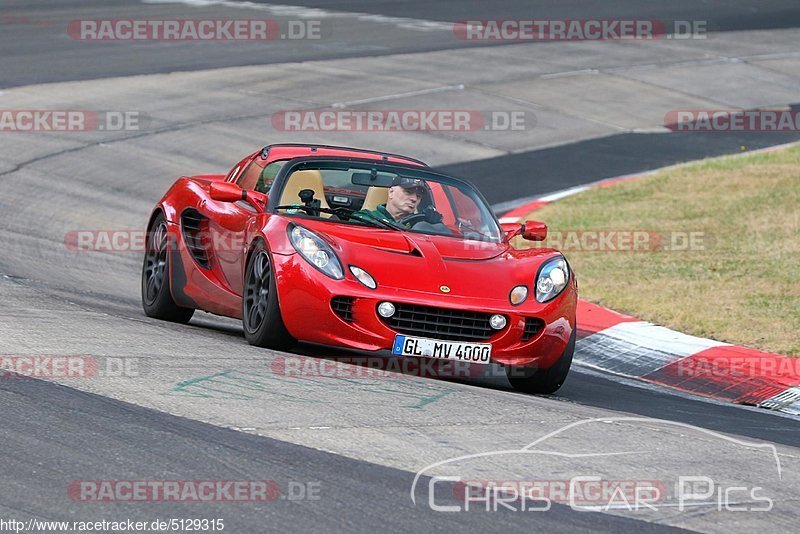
[{"x": 347, "y": 163}]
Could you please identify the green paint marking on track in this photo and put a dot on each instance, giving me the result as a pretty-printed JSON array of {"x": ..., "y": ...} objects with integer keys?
[{"x": 249, "y": 385}]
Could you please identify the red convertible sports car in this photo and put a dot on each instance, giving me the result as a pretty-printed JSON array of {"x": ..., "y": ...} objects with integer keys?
[{"x": 365, "y": 250}]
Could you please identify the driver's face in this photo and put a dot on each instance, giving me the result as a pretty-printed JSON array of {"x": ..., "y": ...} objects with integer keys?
[{"x": 403, "y": 200}]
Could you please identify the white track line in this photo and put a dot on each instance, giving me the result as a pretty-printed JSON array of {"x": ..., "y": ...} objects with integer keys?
[
  {"x": 282, "y": 10},
  {"x": 459, "y": 87}
]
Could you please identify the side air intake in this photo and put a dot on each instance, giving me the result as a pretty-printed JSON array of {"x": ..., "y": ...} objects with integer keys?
[{"x": 194, "y": 226}]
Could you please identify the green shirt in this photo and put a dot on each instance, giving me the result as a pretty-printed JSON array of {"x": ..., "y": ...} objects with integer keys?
[
  {"x": 380, "y": 213},
  {"x": 383, "y": 214}
]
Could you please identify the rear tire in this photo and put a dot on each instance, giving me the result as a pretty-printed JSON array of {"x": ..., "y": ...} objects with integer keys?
[
  {"x": 261, "y": 314},
  {"x": 157, "y": 299},
  {"x": 543, "y": 381}
]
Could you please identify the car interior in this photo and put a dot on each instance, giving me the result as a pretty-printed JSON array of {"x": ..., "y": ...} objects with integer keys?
[{"x": 336, "y": 188}]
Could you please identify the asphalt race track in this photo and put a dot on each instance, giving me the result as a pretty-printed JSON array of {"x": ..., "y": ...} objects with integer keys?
[
  {"x": 28, "y": 37},
  {"x": 733, "y": 15},
  {"x": 196, "y": 402}
]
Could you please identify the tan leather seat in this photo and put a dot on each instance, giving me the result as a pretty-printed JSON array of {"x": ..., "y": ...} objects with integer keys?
[
  {"x": 299, "y": 180},
  {"x": 375, "y": 197}
]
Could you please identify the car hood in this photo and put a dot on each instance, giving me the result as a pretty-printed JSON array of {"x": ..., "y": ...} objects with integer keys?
[
  {"x": 414, "y": 244},
  {"x": 419, "y": 262}
]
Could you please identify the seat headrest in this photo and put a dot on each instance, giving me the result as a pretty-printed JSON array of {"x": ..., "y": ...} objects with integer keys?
[
  {"x": 375, "y": 197},
  {"x": 306, "y": 179}
]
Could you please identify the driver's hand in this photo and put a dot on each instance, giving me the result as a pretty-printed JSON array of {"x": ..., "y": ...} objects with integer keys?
[{"x": 431, "y": 215}]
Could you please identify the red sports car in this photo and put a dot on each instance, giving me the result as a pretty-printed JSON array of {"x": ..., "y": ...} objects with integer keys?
[{"x": 365, "y": 250}]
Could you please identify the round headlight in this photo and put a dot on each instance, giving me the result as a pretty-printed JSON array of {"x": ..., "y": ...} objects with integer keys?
[
  {"x": 545, "y": 285},
  {"x": 363, "y": 277},
  {"x": 498, "y": 322},
  {"x": 386, "y": 309},
  {"x": 518, "y": 295},
  {"x": 315, "y": 251},
  {"x": 320, "y": 258},
  {"x": 553, "y": 278}
]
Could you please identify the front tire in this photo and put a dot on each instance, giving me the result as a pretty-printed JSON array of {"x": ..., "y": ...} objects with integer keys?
[
  {"x": 157, "y": 299},
  {"x": 261, "y": 314},
  {"x": 543, "y": 381}
]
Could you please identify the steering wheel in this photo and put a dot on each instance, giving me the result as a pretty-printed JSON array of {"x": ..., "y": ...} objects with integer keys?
[
  {"x": 411, "y": 220},
  {"x": 429, "y": 214}
]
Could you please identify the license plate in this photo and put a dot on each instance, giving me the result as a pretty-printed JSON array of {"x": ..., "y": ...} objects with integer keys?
[{"x": 442, "y": 350}]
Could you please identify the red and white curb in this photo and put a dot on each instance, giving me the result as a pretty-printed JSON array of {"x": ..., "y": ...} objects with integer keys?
[{"x": 626, "y": 346}]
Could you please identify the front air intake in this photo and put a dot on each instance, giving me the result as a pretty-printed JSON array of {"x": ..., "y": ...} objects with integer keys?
[
  {"x": 532, "y": 327},
  {"x": 440, "y": 323},
  {"x": 343, "y": 307}
]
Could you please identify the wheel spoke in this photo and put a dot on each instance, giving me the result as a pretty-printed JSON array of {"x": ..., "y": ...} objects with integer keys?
[
  {"x": 253, "y": 320},
  {"x": 155, "y": 262},
  {"x": 152, "y": 290},
  {"x": 256, "y": 291},
  {"x": 258, "y": 267},
  {"x": 150, "y": 264},
  {"x": 160, "y": 238}
]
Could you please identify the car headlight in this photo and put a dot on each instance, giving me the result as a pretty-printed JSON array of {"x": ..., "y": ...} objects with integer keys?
[
  {"x": 315, "y": 251},
  {"x": 553, "y": 277}
]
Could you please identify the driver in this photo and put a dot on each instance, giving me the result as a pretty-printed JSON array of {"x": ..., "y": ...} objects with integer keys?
[{"x": 403, "y": 198}]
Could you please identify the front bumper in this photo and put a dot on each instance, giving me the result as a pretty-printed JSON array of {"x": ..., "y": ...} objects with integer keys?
[{"x": 305, "y": 299}]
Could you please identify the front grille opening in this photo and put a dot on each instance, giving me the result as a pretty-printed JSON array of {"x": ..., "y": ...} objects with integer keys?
[
  {"x": 533, "y": 326},
  {"x": 343, "y": 307},
  {"x": 195, "y": 226},
  {"x": 440, "y": 323}
]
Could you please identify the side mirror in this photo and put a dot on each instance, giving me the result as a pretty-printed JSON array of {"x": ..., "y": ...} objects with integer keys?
[
  {"x": 530, "y": 230},
  {"x": 534, "y": 231},
  {"x": 511, "y": 229},
  {"x": 227, "y": 192}
]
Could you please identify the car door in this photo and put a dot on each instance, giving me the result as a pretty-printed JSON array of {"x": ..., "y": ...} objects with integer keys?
[{"x": 227, "y": 222}]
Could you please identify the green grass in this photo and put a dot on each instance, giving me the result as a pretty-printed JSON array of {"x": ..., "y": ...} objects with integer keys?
[{"x": 742, "y": 286}]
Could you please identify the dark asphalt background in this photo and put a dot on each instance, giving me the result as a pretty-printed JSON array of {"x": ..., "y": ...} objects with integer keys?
[
  {"x": 721, "y": 15},
  {"x": 35, "y": 47},
  {"x": 552, "y": 169}
]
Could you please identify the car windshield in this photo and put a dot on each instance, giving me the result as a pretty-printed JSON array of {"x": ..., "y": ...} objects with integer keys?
[{"x": 385, "y": 196}]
